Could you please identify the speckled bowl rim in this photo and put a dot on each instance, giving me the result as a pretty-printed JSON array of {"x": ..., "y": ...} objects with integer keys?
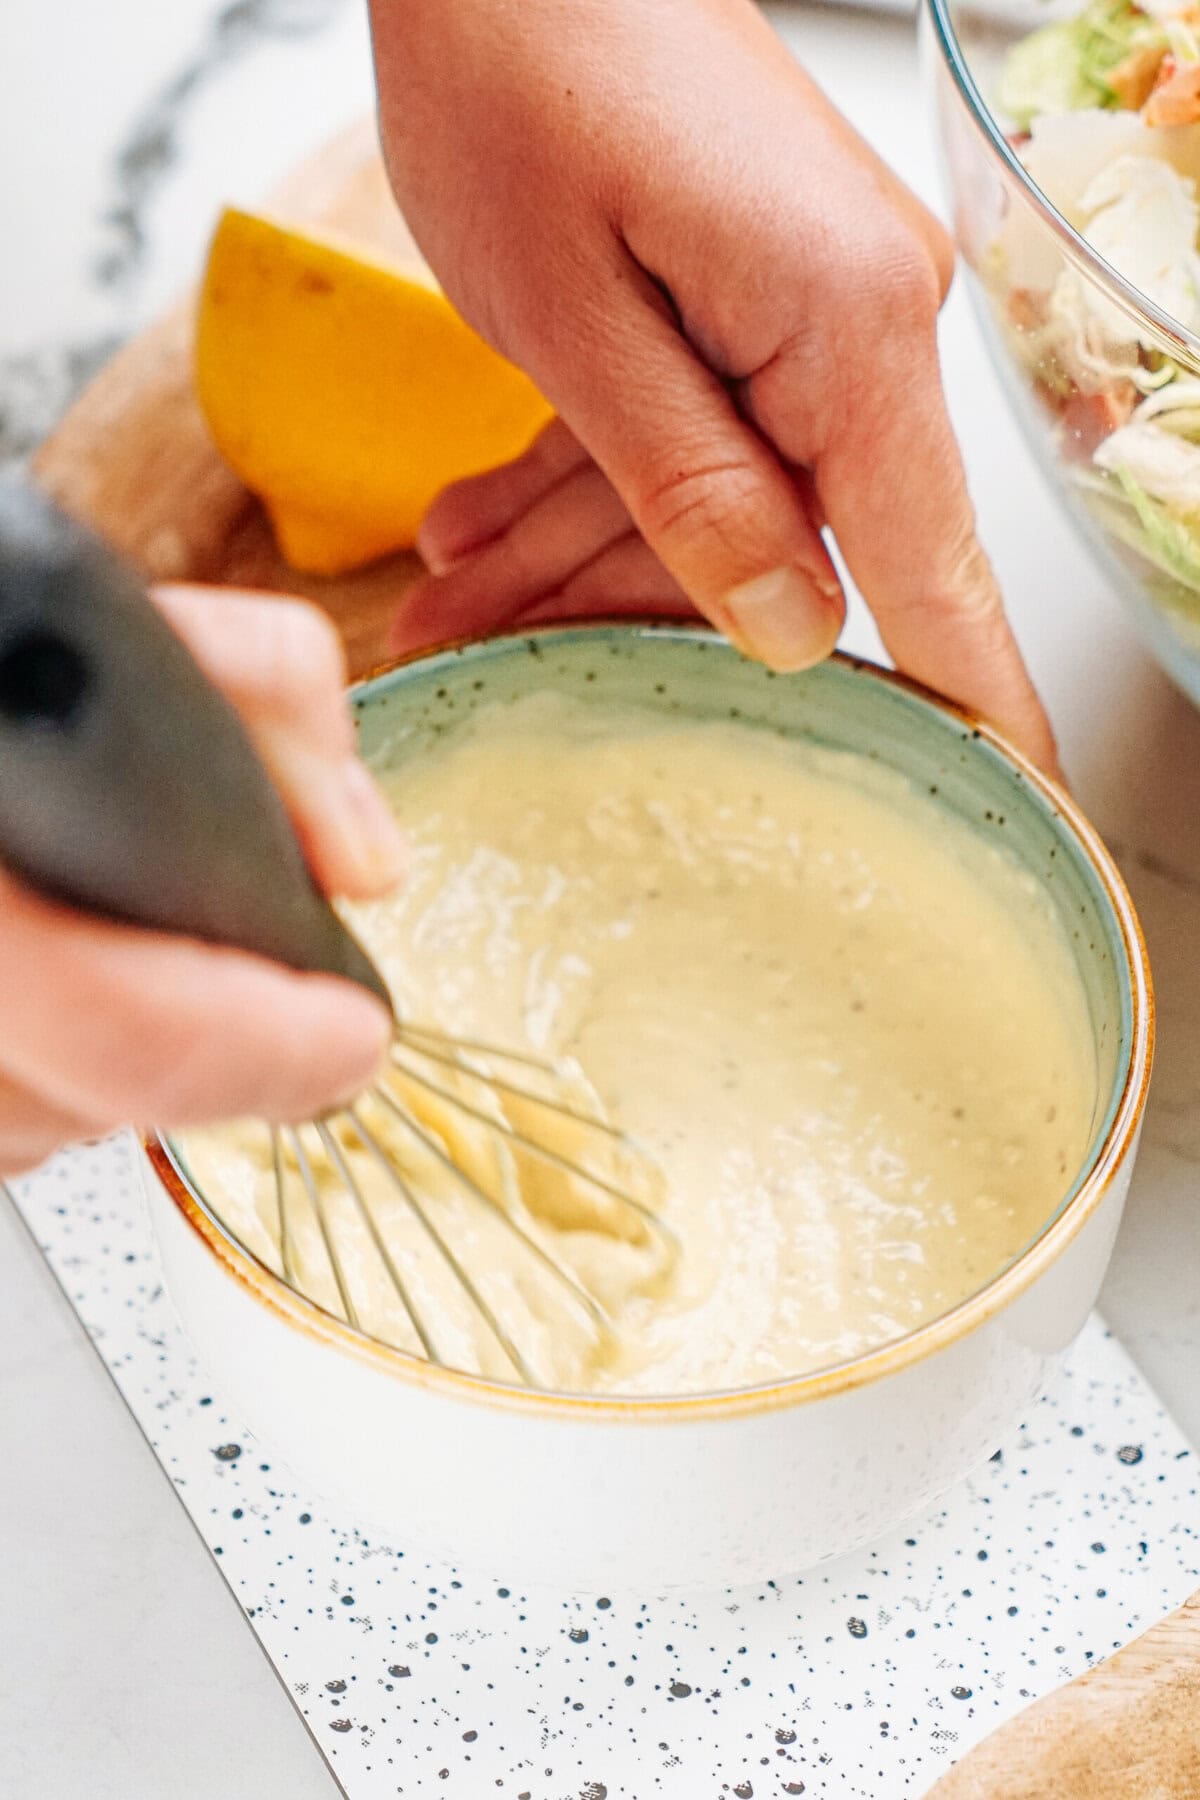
[{"x": 1133, "y": 1075}]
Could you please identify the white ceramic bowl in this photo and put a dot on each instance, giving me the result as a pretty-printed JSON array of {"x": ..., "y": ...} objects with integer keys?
[{"x": 597, "y": 1494}]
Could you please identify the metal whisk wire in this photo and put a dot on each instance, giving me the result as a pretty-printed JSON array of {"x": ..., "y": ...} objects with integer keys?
[
  {"x": 457, "y": 1055},
  {"x": 565, "y": 1163}
]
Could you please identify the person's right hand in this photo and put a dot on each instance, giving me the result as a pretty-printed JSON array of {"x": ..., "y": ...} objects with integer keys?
[
  {"x": 732, "y": 304},
  {"x": 103, "y": 1025}
]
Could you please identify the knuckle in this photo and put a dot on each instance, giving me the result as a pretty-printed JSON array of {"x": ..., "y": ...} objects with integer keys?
[
  {"x": 967, "y": 589},
  {"x": 519, "y": 570},
  {"x": 787, "y": 396},
  {"x": 903, "y": 292},
  {"x": 695, "y": 500},
  {"x": 942, "y": 254}
]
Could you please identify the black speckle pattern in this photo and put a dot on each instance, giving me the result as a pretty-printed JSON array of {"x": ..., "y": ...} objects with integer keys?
[{"x": 860, "y": 1681}]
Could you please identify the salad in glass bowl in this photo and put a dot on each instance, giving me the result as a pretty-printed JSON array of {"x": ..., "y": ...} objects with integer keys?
[{"x": 1072, "y": 141}]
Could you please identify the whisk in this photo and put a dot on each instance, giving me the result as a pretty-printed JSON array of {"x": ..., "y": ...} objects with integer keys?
[
  {"x": 105, "y": 721},
  {"x": 414, "y": 1047}
]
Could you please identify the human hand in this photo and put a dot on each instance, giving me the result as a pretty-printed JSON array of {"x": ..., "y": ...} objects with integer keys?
[
  {"x": 731, "y": 302},
  {"x": 102, "y": 1024}
]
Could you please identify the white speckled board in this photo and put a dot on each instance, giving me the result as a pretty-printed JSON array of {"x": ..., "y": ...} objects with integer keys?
[{"x": 861, "y": 1682}]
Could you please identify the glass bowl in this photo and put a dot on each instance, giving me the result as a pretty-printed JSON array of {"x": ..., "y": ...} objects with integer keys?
[{"x": 1079, "y": 347}]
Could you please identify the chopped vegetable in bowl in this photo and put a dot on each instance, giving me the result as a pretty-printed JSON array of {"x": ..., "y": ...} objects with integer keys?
[{"x": 1073, "y": 151}]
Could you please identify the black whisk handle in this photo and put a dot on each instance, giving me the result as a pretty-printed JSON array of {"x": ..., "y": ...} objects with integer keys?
[{"x": 128, "y": 785}]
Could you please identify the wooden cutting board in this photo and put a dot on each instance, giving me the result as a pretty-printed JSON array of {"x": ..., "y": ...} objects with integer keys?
[
  {"x": 1127, "y": 1730},
  {"x": 133, "y": 459}
]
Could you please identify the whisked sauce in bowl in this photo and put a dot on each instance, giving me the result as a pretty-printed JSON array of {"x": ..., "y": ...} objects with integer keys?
[{"x": 848, "y": 1031}]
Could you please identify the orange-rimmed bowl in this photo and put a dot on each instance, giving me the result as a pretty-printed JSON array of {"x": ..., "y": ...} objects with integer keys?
[{"x": 596, "y": 1493}]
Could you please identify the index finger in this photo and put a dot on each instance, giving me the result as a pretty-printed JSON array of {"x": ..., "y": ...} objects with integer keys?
[
  {"x": 108, "y": 1023},
  {"x": 280, "y": 662}
]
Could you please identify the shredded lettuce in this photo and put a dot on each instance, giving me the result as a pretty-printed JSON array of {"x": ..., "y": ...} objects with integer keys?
[
  {"x": 1044, "y": 73},
  {"x": 1133, "y": 191},
  {"x": 1165, "y": 464},
  {"x": 1169, "y": 540},
  {"x": 1062, "y": 66}
]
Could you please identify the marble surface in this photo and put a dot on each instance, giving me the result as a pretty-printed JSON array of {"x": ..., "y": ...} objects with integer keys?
[
  {"x": 129, "y": 1671},
  {"x": 122, "y": 129}
]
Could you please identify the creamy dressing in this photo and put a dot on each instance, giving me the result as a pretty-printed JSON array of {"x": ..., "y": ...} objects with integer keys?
[{"x": 850, "y": 1033}]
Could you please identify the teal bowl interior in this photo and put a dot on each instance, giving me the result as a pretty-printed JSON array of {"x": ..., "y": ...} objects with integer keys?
[{"x": 841, "y": 705}]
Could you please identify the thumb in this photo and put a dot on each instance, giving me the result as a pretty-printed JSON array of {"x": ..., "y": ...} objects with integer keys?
[{"x": 710, "y": 496}]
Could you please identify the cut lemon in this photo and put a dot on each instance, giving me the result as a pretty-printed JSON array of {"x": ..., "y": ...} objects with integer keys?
[{"x": 346, "y": 392}]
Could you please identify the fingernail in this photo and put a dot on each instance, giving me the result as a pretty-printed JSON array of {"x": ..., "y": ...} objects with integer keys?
[
  {"x": 785, "y": 618},
  {"x": 441, "y": 550},
  {"x": 437, "y": 561},
  {"x": 370, "y": 825}
]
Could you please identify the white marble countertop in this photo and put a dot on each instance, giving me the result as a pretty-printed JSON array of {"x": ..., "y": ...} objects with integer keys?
[{"x": 122, "y": 129}]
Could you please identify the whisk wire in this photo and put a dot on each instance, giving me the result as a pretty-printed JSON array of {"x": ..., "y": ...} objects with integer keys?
[
  {"x": 333, "y": 1150},
  {"x": 285, "y": 1232},
  {"x": 387, "y": 1166},
  {"x": 653, "y": 1224},
  {"x": 589, "y": 1303},
  {"x": 520, "y": 1093},
  {"x": 313, "y": 1190},
  {"x": 292, "y": 1163},
  {"x": 407, "y": 1032}
]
